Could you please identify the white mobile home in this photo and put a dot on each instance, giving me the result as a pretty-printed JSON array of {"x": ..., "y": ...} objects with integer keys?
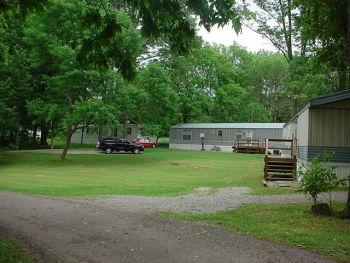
[
  {"x": 188, "y": 136},
  {"x": 323, "y": 125},
  {"x": 92, "y": 134}
]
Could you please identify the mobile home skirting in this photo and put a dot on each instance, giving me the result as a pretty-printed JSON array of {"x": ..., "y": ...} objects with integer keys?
[
  {"x": 341, "y": 170},
  {"x": 336, "y": 154},
  {"x": 198, "y": 147}
]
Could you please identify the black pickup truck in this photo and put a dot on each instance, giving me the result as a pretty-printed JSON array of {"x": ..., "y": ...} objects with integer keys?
[{"x": 113, "y": 144}]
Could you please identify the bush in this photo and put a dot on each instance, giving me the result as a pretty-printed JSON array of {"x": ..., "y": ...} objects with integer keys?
[{"x": 317, "y": 178}]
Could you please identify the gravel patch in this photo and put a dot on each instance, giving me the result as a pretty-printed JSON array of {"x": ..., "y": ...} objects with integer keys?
[{"x": 201, "y": 200}]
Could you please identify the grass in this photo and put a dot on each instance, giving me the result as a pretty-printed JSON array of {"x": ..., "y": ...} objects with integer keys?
[
  {"x": 290, "y": 224},
  {"x": 158, "y": 171},
  {"x": 10, "y": 253}
]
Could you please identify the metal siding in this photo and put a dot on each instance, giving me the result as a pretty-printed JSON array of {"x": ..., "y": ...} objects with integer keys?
[
  {"x": 228, "y": 135},
  {"x": 330, "y": 127},
  {"x": 290, "y": 130},
  {"x": 303, "y": 128}
]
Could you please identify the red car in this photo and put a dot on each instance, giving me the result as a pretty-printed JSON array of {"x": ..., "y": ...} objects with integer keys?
[{"x": 145, "y": 143}]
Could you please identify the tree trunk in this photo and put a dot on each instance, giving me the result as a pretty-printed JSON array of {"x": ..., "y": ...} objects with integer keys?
[
  {"x": 17, "y": 139},
  {"x": 342, "y": 80},
  {"x": 348, "y": 34},
  {"x": 82, "y": 136},
  {"x": 35, "y": 129},
  {"x": 346, "y": 212},
  {"x": 44, "y": 134},
  {"x": 12, "y": 137},
  {"x": 52, "y": 134},
  {"x": 294, "y": 103},
  {"x": 2, "y": 139},
  {"x": 68, "y": 142},
  {"x": 125, "y": 127},
  {"x": 290, "y": 29}
]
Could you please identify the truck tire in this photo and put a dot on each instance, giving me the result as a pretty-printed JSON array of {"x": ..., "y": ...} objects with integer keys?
[{"x": 108, "y": 150}]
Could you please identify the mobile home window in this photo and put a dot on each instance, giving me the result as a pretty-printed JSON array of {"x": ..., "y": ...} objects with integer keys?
[
  {"x": 187, "y": 135},
  {"x": 249, "y": 135},
  {"x": 238, "y": 135},
  {"x": 219, "y": 133}
]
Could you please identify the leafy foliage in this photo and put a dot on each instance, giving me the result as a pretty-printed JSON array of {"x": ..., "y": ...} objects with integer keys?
[
  {"x": 324, "y": 27},
  {"x": 275, "y": 21},
  {"x": 317, "y": 179}
]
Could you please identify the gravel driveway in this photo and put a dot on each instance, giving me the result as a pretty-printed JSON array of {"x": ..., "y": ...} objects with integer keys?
[
  {"x": 201, "y": 200},
  {"x": 122, "y": 228},
  {"x": 72, "y": 231}
]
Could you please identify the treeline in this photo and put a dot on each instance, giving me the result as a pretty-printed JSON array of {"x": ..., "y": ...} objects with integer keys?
[{"x": 77, "y": 63}]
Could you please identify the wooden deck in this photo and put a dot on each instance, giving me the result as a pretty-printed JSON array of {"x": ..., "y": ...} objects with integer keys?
[
  {"x": 280, "y": 168},
  {"x": 249, "y": 146}
]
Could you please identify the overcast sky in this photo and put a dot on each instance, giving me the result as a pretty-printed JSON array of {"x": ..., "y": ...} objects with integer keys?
[{"x": 226, "y": 36}]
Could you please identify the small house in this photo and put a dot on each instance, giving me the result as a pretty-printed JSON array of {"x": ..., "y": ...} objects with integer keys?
[
  {"x": 323, "y": 125},
  {"x": 92, "y": 134},
  {"x": 190, "y": 136}
]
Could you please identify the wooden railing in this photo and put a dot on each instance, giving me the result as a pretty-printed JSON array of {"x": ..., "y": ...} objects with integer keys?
[
  {"x": 280, "y": 167},
  {"x": 249, "y": 146}
]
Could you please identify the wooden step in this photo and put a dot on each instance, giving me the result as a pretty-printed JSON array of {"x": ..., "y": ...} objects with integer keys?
[
  {"x": 279, "y": 178},
  {"x": 288, "y": 174},
  {"x": 283, "y": 170},
  {"x": 280, "y": 160},
  {"x": 279, "y": 166}
]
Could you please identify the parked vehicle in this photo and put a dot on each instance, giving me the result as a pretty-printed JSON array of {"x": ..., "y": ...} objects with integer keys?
[
  {"x": 145, "y": 143},
  {"x": 113, "y": 144}
]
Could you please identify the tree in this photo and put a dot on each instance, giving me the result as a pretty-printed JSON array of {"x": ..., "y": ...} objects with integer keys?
[
  {"x": 15, "y": 7},
  {"x": 14, "y": 80},
  {"x": 21, "y": 5},
  {"x": 316, "y": 179},
  {"x": 171, "y": 21},
  {"x": 325, "y": 26},
  {"x": 275, "y": 21},
  {"x": 206, "y": 83},
  {"x": 161, "y": 109},
  {"x": 346, "y": 211},
  {"x": 310, "y": 79},
  {"x": 84, "y": 96}
]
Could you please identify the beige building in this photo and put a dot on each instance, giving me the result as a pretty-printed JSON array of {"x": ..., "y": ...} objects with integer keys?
[{"x": 323, "y": 125}]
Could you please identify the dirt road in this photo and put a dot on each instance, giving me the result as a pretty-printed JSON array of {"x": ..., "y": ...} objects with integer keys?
[{"x": 67, "y": 231}]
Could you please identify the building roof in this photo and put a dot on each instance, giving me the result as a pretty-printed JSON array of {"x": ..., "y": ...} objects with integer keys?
[
  {"x": 318, "y": 101},
  {"x": 334, "y": 97},
  {"x": 229, "y": 126}
]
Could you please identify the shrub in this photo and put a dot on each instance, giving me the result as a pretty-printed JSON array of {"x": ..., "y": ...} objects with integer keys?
[{"x": 317, "y": 178}]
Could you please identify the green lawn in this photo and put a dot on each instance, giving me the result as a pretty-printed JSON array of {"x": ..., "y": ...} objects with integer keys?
[
  {"x": 291, "y": 224},
  {"x": 12, "y": 254},
  {"x": 158, "y": 171}
]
